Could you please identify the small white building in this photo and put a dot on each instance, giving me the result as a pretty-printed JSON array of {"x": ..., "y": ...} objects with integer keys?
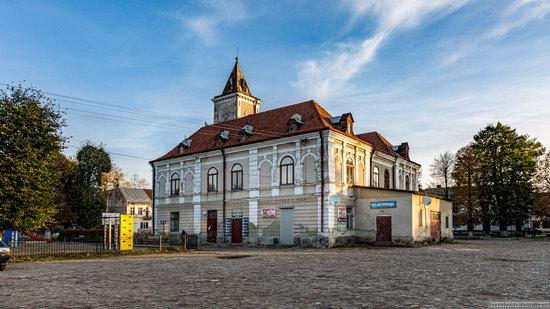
[
  {"x": 132, "y": 201},
  {"x": 291, "y": 175}
]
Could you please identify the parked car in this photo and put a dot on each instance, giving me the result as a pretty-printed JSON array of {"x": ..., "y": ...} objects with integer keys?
[
  {"x": 5, "y": 255},
  {"x": 532, "y": 231}
]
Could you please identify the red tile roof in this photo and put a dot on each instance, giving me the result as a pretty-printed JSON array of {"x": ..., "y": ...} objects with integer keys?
[
  {"x": 268, "y": 125},
  {"x": 273, "y": 124},
  {"x": 379, "y": 142}
]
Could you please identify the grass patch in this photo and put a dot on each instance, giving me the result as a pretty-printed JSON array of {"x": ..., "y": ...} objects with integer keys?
[{"x": 99, "y": 255}]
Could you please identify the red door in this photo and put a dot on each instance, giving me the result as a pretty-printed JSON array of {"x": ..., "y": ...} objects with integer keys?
[
  {"x": 236, "y": 231},
  {"x": 212, "y": 226},
  {"x": 383, "y": 230},
  {"x": 435, "y": 226}
]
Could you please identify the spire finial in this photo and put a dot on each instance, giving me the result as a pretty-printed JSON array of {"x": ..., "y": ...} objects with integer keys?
[{"x": 237, "y": 56}]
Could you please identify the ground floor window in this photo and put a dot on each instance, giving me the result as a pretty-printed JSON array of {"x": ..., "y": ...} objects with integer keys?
[
  {"x": 446, "y": 222},
  {"x": 420, "y": 217},
  {"x": 349, "y": 218},
  {"x": 174, "y": 221},
  {"x": 144, "y": 225}
]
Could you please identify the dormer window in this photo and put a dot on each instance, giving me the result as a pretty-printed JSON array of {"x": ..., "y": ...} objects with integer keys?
[
  {"x": 222, "y": 137},
  {"x": 295, "y": 122},
  {"x": 186, "y": 143},
  {"x": 246, "y": 132}
]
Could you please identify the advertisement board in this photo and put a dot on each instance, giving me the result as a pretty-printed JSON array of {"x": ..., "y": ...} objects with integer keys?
[{"x": 269, "y": 213}]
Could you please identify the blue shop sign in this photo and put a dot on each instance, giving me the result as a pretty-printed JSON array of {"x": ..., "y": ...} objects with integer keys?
[{"x": 385, "y": 204}]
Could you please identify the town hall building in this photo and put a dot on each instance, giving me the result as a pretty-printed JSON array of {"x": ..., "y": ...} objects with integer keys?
[{"x": 294, "y": 175}]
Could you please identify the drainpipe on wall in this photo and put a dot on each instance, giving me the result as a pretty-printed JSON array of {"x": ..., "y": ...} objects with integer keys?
[
  {"x": 153, "y": 215},
  {"x": 223, "y": 197},
  {"x": 322, "y": 155}
]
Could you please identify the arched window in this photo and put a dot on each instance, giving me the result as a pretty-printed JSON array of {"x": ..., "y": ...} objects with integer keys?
[
  {"x": 175, "y": 184},
  {"x": 237, "y": 177},
  {"x": 310, "y": 171},
  {"x": 350, "y": 172},
  {"x": 162, "y": 186},
  {"x": 361, "y": 174},
  {"x": 189, "y": 183},
  {"x": 386, "y": 179},
  {"x": 338, "y": 170},
  {"x": 407, "y": 183},
  {"x": 265, "y": 175},
  {"x": 287, "y": 171},
  {"x": 375, "y": 176},
  {"x": 212, "y": 180}
]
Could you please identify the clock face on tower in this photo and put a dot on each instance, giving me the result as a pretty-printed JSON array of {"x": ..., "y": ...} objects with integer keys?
[{"x": 225, "y": 114}]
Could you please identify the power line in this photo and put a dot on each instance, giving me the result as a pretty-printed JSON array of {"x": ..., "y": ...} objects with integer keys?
[
  {"x": 137, "y": 111},
  {"x": 117, "y": 154}
]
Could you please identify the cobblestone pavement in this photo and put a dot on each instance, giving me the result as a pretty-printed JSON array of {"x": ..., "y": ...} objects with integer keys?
[{"x": 463, "y": 274}]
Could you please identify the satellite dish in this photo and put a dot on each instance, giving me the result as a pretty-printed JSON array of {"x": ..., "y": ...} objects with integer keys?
[
  {"x": 426, "y": 200},
  {"x": 335, "y": 200}
]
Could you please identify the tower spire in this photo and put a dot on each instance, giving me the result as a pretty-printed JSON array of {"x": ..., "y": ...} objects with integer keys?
[{"x": 236, "y": 81}]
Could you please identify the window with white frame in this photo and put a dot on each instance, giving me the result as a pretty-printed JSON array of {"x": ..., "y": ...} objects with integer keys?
[
  {"x": 237, "y": 177},
  {"x": 175, "y": 184},
  {"x": 212, "y": 180},
  {"x": 350, "y": 172},
  {"x": 287, "y": 171},
  {"x": 375, "y": 176}
]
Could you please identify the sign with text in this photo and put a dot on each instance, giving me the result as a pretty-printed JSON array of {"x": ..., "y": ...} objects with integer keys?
[
  {"x": 236, "y": 213},
  {"x": 227, "y": 226},
  {"x": 245, "y": 227},
  {"x": 269, "y": 213},
  {"x": 342, "y": 213},
  {"x": 384, "y": 204}
]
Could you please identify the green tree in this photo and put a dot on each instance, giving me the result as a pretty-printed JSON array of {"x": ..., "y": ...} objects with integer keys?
[
  {"x": 466, "y": 193},
  {"x": 542, "y": 185},
  {"x": 86, "y": 199},
  {"x": 507, "y": 164},
  {"x": 68, "y": 168},
  {"x": 30, "y": 144}
]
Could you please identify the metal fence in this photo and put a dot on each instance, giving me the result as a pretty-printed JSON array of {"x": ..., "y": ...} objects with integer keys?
[
  {"x": 189, "y": 241},
  {"x": 34, "y": 248}
]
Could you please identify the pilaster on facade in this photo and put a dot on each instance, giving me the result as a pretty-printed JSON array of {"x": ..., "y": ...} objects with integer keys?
[
  {"x": 396, "y": 173},
  {"x": 298, "y": 179},
  {"x": 197, "y": 216},
  {"x": 275, "y": 173},
  {"x": 197, "y": 182},
  {"x": 253, "y": 211},
  {"x": 253, "y": 174}
]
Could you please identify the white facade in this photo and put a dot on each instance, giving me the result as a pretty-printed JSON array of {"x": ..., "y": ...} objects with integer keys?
[{"x": 288, "y": 181}]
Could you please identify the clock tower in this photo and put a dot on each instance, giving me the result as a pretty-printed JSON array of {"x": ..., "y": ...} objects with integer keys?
[{"x": 236, "y": 100}]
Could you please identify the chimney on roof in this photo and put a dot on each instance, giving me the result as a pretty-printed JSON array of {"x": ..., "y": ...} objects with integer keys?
[
  {"x": 403, "y": 150},
  {"x": 438, "y": 186},
  {"x": 343, "y": 123}
]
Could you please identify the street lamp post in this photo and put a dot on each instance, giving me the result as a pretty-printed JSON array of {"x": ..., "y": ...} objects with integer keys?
[{"x": 163, "y": 222}]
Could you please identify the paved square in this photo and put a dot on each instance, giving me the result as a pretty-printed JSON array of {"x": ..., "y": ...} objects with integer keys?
[{"x": 463, "y": 274}]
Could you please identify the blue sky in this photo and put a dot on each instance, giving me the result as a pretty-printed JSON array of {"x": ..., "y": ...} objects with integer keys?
[{"x": 431, "y": 73}]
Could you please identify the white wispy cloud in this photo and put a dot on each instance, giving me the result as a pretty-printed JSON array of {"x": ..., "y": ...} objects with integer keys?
[
  {"x": 217, "y": 16},
  {"x": 518, "y": 14},
  {"x": 330, "y": 73}
]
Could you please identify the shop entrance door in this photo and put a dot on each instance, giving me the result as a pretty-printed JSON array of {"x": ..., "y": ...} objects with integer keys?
[
  {"x": 236, "y": 231},
  {"x": 383, "y": 230},
  {"x": 212, "y": 226},
  {"x": 435, "y": 226}
]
